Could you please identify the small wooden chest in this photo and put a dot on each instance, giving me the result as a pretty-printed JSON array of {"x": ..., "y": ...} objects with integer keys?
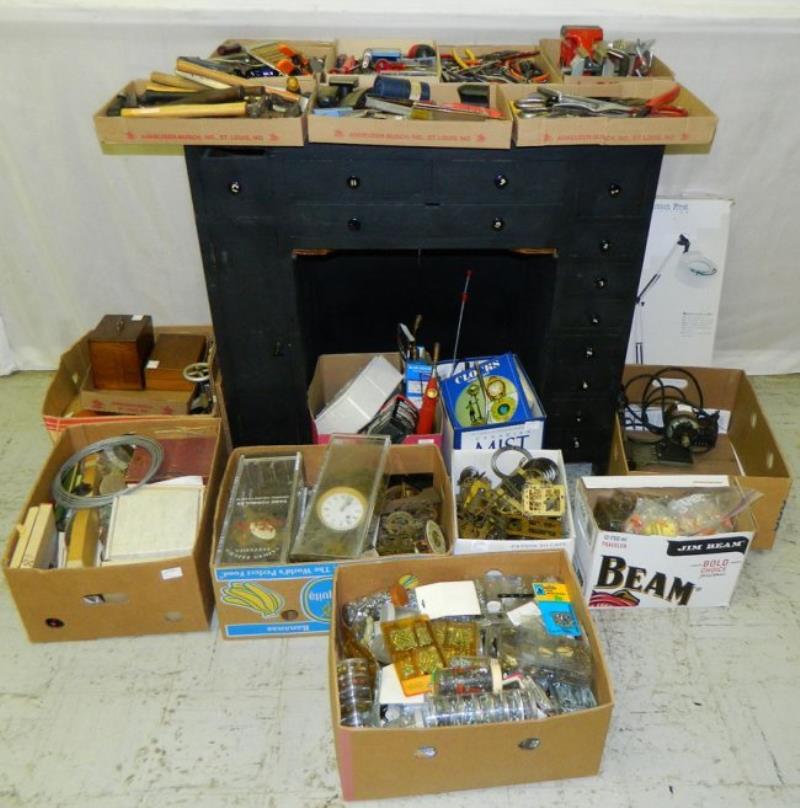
[
  {"x": 172, "y": 353},
  {"x": 118, "y": 349}
]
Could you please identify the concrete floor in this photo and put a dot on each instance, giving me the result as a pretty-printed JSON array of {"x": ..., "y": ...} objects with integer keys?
[{"x": 707, "y": 700}]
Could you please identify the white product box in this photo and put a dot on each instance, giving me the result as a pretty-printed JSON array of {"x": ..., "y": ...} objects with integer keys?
[
  {"x": 679, "y": 292},
  {"x": 525, "y": 434},
  {"x": 481, "y": 459},
  {"x": 357, "y": 403},
  {"x": 625, "y": 569}
]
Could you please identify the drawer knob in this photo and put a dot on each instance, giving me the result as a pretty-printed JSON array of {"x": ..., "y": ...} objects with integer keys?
[
  {"x": 354, "y": 224},
  {"x": 501, "y": 180},
  {"x": 235, "y": 187},
  {"x": 353, "y": 182},
  {"x": 498, "y": 224},
  {"x": 604, "y": 245},
  {"x": 584, "y": 385},
  {"x": 614, "y": 190},
  {"x": 576, "y": 444},
  {"x": 594, "y": 319},
  {"x": 578, "y": 417},
  {"x": 601, "y": 283},
  {"x": 588, "y": 352}
]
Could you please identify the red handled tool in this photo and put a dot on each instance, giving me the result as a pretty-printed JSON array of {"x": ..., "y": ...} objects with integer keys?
[{"x": 427, "y": 412}]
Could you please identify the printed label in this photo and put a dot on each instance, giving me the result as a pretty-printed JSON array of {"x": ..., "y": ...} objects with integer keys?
[
  {"x": 171, "y": 573},
  {"x": 316, "y": 599}
]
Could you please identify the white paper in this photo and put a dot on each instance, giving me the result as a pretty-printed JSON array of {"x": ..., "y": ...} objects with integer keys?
[
  {"x": 171, "y": 573},
  {"x": 518, "y": 616},
  {"x": 448, "y": 599}
]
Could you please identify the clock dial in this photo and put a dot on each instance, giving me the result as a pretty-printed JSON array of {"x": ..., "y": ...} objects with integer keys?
[{"x": 341, "y": 508}]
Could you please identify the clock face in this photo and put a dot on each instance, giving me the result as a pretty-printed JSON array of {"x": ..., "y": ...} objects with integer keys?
[{"x": 341, "y": 508}]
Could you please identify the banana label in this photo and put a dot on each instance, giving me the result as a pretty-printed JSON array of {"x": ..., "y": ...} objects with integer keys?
[{"x": 264, "y": 602}]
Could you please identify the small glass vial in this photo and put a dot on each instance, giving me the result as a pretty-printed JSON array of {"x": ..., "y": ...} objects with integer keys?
[
  {"x": 486, "y": 708},
  {"x": 468, "y": 676},
  {"x": 356, "y": 694}
]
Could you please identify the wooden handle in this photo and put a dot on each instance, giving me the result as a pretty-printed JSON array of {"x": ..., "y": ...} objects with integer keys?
[
  {"x": 186, "y": 66},
  {"x": 234, "y": 110},
  {"x": 168, "y": 80}
]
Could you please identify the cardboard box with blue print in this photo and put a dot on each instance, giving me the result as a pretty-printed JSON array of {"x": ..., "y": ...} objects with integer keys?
[
  {"x": 659, "y": 542},
  {"x": 490, "y": 402},
  {"x": 282, "y": 597},
  {"x": 487, "y": 486}
]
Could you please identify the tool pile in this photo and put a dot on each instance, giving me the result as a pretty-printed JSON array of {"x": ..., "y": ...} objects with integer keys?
[
  {"x": 584, "y": 52},
  {"x": 493, "y": 649},
  {"x": 502, "y": 66}
]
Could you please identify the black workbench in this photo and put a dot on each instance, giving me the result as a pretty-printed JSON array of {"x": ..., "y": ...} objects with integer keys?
[{"x": 322, "y": 249}]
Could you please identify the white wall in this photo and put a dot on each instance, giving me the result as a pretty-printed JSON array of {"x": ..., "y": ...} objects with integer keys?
[{"x": 84, "y": 233}]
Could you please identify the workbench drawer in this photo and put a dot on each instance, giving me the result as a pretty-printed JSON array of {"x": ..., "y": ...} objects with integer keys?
[
  {"x": 613, "y": 188},
  {"x": 503, "y": 181},
  {"x": 500, "y": 226},
  {"x": 353, "y": 179},
  {"x": 351, "y": 225},
  {"x": 585, "y": 365},
  {"x": 565, "y": 414},
  {"x": 597, "y": 279},
  {"x": 597, "y": 315},
  {"x": 607, "y": 240}
]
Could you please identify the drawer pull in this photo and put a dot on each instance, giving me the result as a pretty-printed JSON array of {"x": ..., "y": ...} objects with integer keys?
[
  {"x": 588, "y": 352},
  {"x": 578, "y": 417},
  {"x": 600, "y": 283},
  {"x": 604, "y": 245},
  {"x": 584, "y": 385},
  {"x": 501, "y": 180},
  {"x": 498, "y": 224},
  {"x": 594, "y": 319},
  {"x": 353, "y": 182},
  {"x": 235, "y": 187},
  {"x": 576, "y": 444},
  {"x": 354, "y": 224},
  {"x": 614, "y": 190}
]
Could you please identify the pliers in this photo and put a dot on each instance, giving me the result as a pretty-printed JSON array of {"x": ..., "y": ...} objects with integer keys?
[{"x": 550, "y": 102}]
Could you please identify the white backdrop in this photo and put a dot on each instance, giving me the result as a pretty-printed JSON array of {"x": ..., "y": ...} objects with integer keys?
[{"x": 83, "y": 233}]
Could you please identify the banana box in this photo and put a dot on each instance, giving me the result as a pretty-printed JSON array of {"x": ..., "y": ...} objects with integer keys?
[{"x": 256, "y": 600}]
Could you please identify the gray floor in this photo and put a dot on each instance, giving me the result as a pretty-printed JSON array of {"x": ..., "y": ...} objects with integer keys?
[{"x": 706, "y": 715}]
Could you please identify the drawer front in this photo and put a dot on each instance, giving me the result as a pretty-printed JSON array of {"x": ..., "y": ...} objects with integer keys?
[
  {"x": 597, "y": 278},
  {"x": 502, "y": 181},
  {"x": 356, "y": 225},
  {"x": 584, "y": 366},
  {"x": 349, "y": 180},
  {"x": 581, "y": 414},
  {"x": 595, "y": 315},
  {"x": 612, "y": 188},
  {"x": 580, "y": 445},
  {"x": 607, "y": 241},
  {"x": 500, "y": 225}
]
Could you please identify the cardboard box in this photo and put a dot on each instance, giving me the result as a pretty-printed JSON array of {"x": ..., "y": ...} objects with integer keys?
[
  {"x": 538, "y": 57},
  {"x": 62, "y": 406},
  {"x": 551, "y": 52},
  {"x": 620, "y": 569},
  {"x": 482, "y": 134},
  {"x": 302, "y": 591},
  {"x": 134, "y": 402},
  {"x": 527, "y": 434},
  {"x": 156, "y": 597},
  {"x": 481, "y": 459},
  {"x": 696, "y": 129},
  {"x": 375, "y": 762},
  {"x": 116, "y": 131},
  {"x": 747, "y": 450},
  {"x": 334, "y": 371}
]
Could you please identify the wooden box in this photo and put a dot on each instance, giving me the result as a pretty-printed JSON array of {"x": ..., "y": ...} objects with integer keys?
[
  {"x": 172, "y": 353},
  {"x": 118, "y": 349}
]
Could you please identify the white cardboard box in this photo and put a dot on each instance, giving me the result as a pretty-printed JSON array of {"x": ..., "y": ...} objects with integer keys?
[
  {"x": 626, "y": 569},
  {"x": 675, "y": 319},
  {"x": 481, "y": 459},
  {"x": 526, "y": 434}
]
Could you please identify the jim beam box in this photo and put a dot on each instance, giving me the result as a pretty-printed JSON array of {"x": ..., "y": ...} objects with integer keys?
[{"x": 619, "y": 569}]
